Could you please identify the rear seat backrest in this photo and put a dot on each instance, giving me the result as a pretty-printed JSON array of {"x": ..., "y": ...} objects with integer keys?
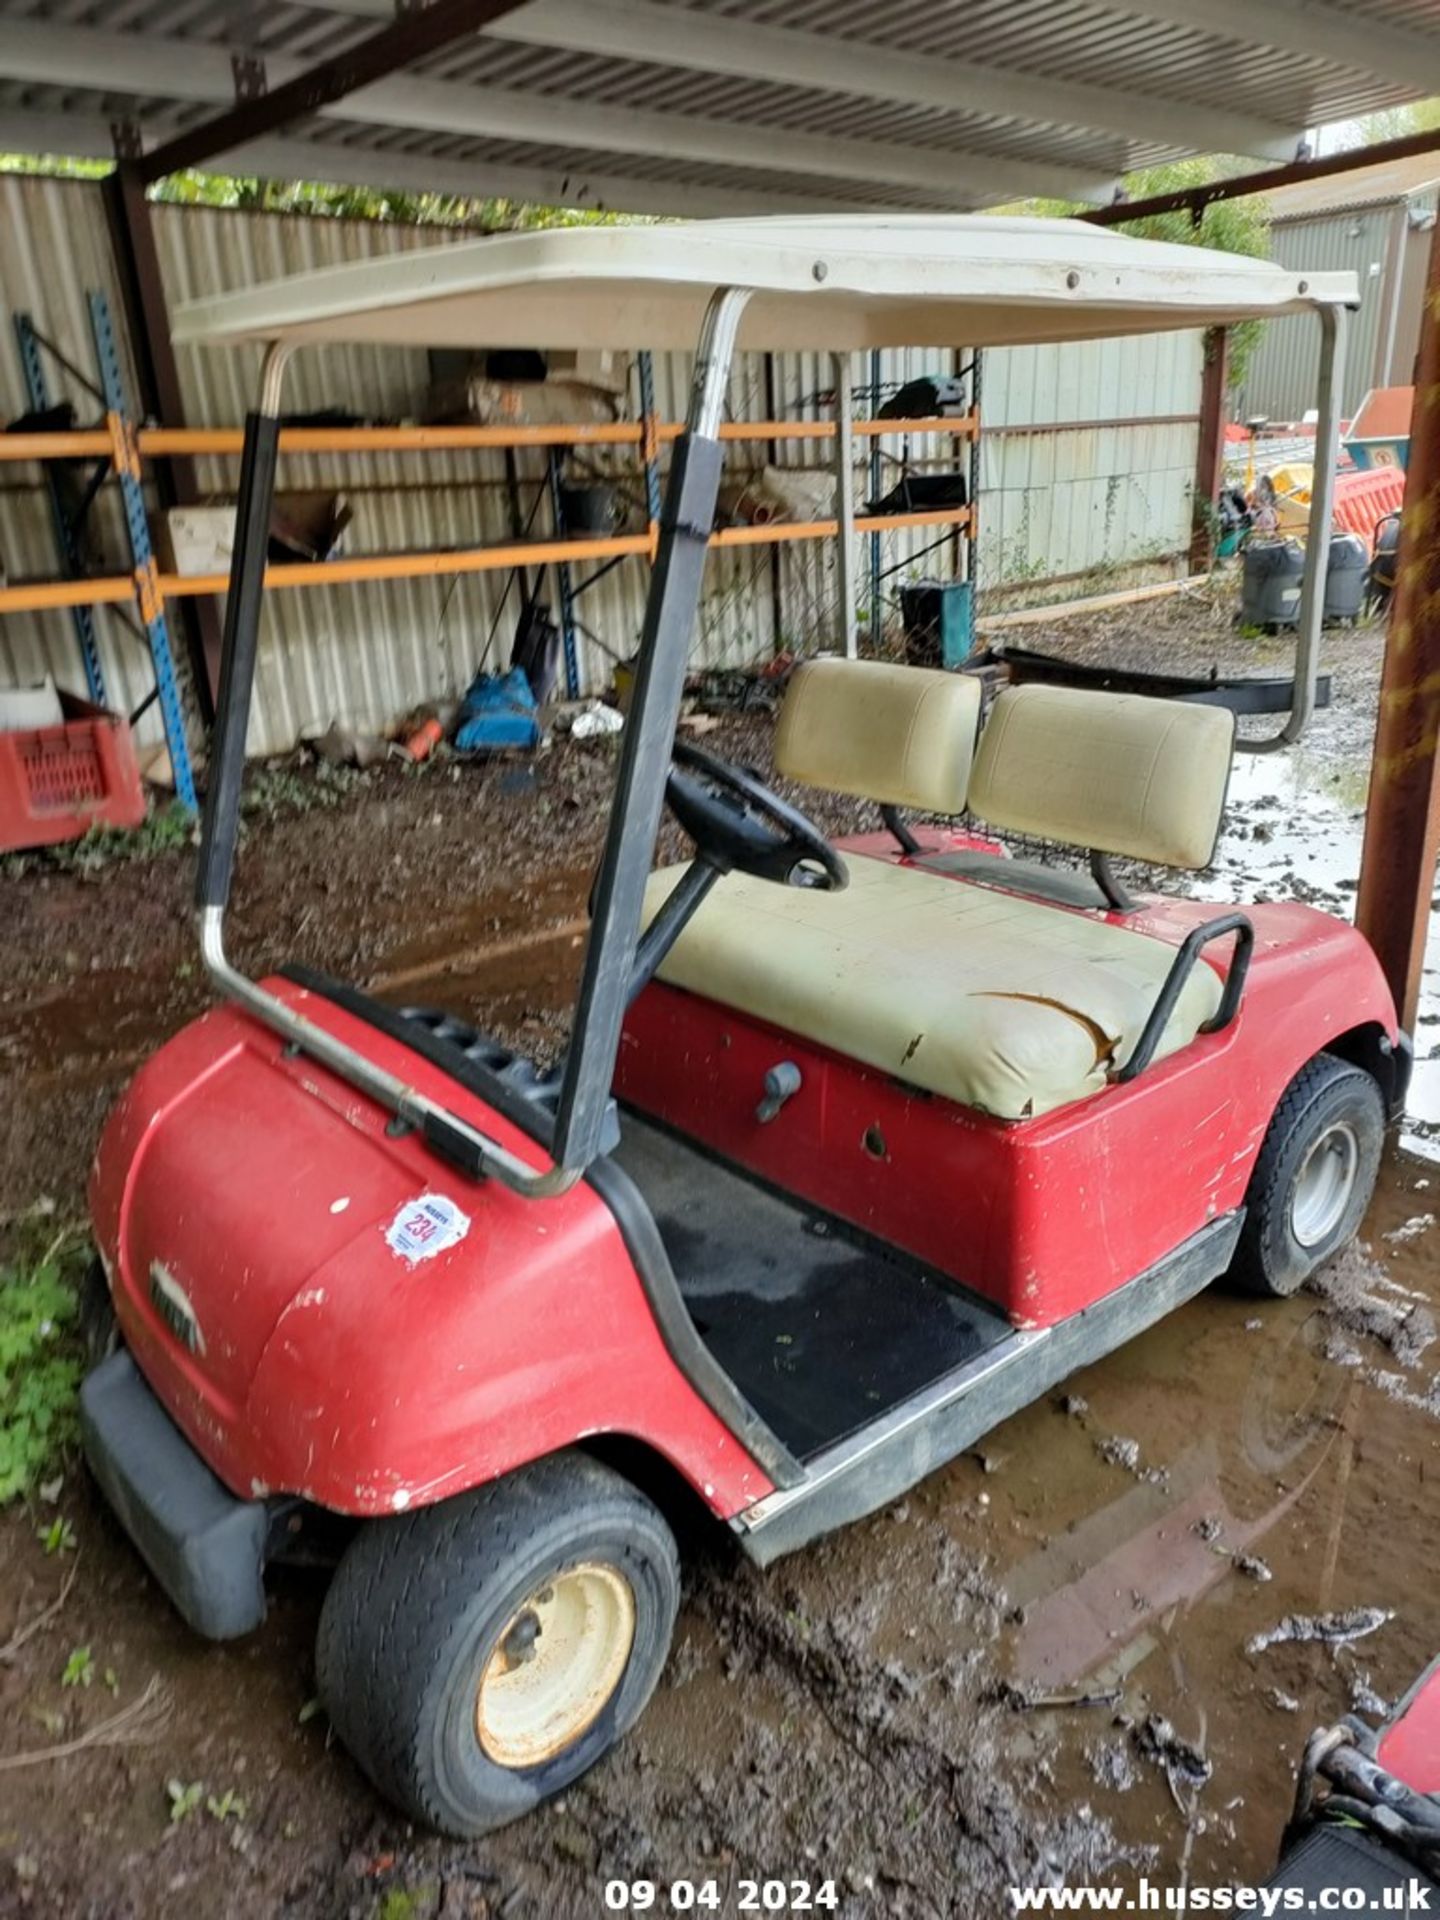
[
  {"x": 904, "y": 736},
  {"x": 1111, "y": 772}
]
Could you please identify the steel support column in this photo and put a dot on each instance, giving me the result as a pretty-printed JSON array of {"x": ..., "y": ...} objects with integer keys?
[
  {"x": 1402, "y": 822},
  {"x": 1210, "y": 451},
  {"x": 147, "y": 322}
]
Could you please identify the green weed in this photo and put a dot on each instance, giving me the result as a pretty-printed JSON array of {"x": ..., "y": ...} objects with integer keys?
[
  {"x": 184, "y": 1800},
  {"x": 40, "y": 1369},
  {"x": 79, "y": 1669}
]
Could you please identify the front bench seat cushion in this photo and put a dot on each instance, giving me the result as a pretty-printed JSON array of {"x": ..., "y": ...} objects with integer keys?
[{"x": 1000, "y": 1003}]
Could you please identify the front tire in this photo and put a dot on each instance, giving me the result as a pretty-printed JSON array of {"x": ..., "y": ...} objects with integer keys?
[
  {"x": 1313, "y": 1178},
  {"x": 478, "y": 1656}
]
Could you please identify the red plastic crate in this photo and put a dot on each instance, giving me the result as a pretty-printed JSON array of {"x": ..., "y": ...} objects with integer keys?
[{"x": 58, "y": 782}]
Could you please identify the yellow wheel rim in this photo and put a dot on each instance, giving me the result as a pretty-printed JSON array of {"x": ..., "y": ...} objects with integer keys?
[{"x": 555, "y": 1666}]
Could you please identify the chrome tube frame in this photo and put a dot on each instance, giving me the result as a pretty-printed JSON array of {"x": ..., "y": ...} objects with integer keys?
[
  {"x": 1334, "y": 330},
  {"x": 634, "y": 820}
]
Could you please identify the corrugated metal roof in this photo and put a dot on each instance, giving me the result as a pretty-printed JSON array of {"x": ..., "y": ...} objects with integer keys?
[
  {"x": 1007, "y": 94},
  {"x": 1365, "y": 187}
]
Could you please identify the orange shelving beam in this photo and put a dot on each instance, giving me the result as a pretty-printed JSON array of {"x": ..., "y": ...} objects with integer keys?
[
  {"x": 193, "y": 442},
  {"x": 158, "y": 442}
]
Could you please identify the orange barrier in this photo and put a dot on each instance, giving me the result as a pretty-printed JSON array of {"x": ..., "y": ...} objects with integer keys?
[{"x": 1364, "y": 497}]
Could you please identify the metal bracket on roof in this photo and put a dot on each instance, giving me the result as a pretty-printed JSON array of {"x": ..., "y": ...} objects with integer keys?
[{"x": 249, "y": 76}]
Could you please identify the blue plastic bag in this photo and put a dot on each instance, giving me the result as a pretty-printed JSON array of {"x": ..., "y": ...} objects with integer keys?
[{"x": 498, "y": 712}]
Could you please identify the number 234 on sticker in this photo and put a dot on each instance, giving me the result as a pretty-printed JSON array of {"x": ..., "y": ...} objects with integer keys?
[{"x": 426, "y": 1226}]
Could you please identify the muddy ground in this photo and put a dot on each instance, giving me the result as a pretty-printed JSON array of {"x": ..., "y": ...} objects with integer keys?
[{"x": 895, "y": 1709}]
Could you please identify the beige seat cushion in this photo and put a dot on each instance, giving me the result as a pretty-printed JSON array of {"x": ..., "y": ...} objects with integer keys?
[
  {"x": 904, "y": 736},
  {"x": 1119, "y": 772},
  {"x": 1005, "y": 1004}
]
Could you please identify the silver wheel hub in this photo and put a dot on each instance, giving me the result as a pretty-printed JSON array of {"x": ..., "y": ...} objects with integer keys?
[
  {"x": 556, "y": 1665},
  {"x": 1325, "y": 1184}
]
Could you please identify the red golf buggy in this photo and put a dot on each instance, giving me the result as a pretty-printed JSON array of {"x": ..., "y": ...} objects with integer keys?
[{"x": 854, "y": 1150}]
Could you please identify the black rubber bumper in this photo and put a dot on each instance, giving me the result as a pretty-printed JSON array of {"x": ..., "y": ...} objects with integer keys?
[{"x": 205, "y": 1547}]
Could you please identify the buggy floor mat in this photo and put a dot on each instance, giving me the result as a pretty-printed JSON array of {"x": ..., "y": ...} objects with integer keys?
[{"x": 821, "y": 1329}]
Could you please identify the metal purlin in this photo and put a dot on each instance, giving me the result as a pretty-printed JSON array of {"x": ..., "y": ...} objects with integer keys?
[
  {"x": 37, "y": 391},
  {"x": 152, "y": 607}
]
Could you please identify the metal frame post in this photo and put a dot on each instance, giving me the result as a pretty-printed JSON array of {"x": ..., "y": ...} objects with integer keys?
[
  {"x": 37, "y": 391},
  {"x": 1334, "y": 328},
  {"x": 877, "y": 481},
  {"x": 847, "y": 554},
  {"x": 152, "y": 606},
  {"x": 1402, "y": 820},
  {"x": 142, "y": 291},
  {"x": 220, "y": 829},
  {"x": 564, "y": 583},
  {"x": 462, "y": 1143},
  {"x": 1210, "y": 447},
  {"x": 650, "y": 439},
  {"x": 686, "y": 523},
  {"x": 687, "y": 520}
]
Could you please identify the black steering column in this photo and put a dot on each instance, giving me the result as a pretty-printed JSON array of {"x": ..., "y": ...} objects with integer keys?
[{"x": 738, "y": 825}]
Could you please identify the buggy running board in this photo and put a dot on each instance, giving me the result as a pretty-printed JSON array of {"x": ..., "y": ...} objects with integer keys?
[{"x": 865, "y": 1472}]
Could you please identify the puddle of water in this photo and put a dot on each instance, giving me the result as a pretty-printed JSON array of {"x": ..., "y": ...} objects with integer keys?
[
  {"x": 1270, "y": 1481},
  {"x": 1294, "y": 829}
]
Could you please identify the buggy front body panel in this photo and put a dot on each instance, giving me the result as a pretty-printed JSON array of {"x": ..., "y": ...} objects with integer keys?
[{"x": 327, "y": 1310}]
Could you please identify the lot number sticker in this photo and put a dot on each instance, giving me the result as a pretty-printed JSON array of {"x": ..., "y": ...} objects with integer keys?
[{"x": 424, "y": 1227}]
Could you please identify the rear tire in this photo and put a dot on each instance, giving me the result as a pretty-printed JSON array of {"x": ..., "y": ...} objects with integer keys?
[
  {"x": 1313, "y": 1178},
  {"x": 478, "y": 1656}
]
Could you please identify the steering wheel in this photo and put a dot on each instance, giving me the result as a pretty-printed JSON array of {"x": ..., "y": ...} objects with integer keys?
[{"x": 738, "y": 824}]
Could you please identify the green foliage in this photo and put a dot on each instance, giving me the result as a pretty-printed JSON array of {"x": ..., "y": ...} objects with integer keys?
[
  {"x": 1393, "y": 123},
  {"x": 225, "y": 1806},
  {"x": 54, "y": 165},
  {"x": 279, "y": 791},
  {"x": 57, "y": 1537},
  {"x": 165, "y": 829},
  {"x": 184, "y": 1800},
  {"x": 79, "y": 1669},
  {"x": 1230, "y": 226},
  {"x": 39, "y": 1372},
  {"x": 328, "y": 201},
  {"x": 248, "y": 193}
]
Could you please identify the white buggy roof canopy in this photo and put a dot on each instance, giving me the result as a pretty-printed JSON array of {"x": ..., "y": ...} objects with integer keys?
[{"x": 828, "y": 282}]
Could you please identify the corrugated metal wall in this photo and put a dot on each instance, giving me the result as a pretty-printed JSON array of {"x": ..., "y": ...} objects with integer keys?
[
  {"x": 1084, "y": 499},
  {"x": 1280, "y": 381},
  {"x": 1093, "y": 495}
]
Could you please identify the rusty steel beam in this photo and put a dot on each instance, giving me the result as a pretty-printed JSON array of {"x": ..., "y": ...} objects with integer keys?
[
  {"x": 410, "y": 36},
  {"x": 1194, "y": 200},
  {"x": 1210, "y": 448},
  {"x": 1402, "y": 819},
  {"x": 147, "y": 321}
]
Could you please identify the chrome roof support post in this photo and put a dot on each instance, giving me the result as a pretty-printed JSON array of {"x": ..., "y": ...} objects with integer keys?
[
  {"x": 1334, "y": 330},
  {"x": 472, "y": 1150}
]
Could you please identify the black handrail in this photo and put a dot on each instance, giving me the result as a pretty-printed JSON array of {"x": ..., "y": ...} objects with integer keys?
[{"x": 1181, "y": 968}]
